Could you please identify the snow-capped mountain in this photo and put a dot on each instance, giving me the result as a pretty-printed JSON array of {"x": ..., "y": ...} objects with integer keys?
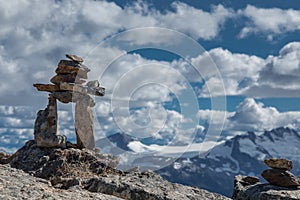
[
  {"x": 135, "y": 152},
  {"x": 214, "y": 171},
  {"x": 116, "y": 143},
  {"x": 242, "y": 154}
]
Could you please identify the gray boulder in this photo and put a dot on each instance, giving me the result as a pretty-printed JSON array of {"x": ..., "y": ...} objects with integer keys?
[{"x": 244, "y": 190}]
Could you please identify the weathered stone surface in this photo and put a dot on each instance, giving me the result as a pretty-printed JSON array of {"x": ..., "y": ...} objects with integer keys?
[
  {"x": 85, "y": 99},
  {"x": 279, "y": 163},
  {"x": 74, "y": 58},
  {"x": 63, "y": 163},
  {"x": 261, "y": 191},
  {"x": 46, "y": 87},
  {"x": 73, "y": 87},
  {"x": 4, "y": 158},
  {"x": 64, "y": 96},
  {"x": 93, "y": 84},
  {"x": 45, "y": 129},
  {"x": 69, "y": 96},
  {"x": 86, "y": 170},
  {"x": 98, "y": 91},
  {"x": 77, "y": 71},
  {"x": 84, "y": 125},
  {"x": 147, "y": 185},
  {"x": 66, "y": 78},
  {"x": 94, "y": 88},
  {"x": 16, "y": 184},
  {"x": 280, "y": 177},
  {"x": 249, "y": 180},
  {"x": 72, "y": 66}
]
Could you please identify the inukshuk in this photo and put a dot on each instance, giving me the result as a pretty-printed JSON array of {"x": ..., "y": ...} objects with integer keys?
[{"x": 68, "y": 87}]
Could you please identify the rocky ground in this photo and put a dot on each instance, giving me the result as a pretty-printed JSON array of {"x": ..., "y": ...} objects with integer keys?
[
  {"x": 16, "y": 184},
  {"x": 74, "y": 174}
]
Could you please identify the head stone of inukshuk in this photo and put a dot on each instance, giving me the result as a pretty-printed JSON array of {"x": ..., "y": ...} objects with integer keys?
[{"x": 68, "y": 86}]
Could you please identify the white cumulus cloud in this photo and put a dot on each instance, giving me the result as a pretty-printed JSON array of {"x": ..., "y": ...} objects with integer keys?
[
  {"x": 252, "y": 115},
  {"x": 34, "y": 35},
  {"x": 269, "y": 21},
  {"x": 252, "y": 76}
]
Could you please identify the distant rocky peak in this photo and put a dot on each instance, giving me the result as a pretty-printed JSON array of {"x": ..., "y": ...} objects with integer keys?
[
  {"x": 121, "y": 136},
  {"x": 282, "y": 130},
  {"x": 241, "y": 155},
  {"x": 116, "y": 143}
]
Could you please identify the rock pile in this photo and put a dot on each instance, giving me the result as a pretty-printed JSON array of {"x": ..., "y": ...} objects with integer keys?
[
  {"x": 282, "y": 183},
  {"x": 68, "y": 87},
  {"x": 280, "y": 174},
  {"x": 255, "y": 190}
]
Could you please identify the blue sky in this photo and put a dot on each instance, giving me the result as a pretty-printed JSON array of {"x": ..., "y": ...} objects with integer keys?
[
  {"x": 253, "y": 45},
  {"x": 228, "y": 36}
]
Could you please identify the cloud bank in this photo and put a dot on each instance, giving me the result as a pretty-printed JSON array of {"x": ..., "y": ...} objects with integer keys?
[
  {"x": 269, "y": 21},
  {"x": 252, "y": 115},
  {"x": 252, "y": 76},
  {"x": 35, "y": 34}
]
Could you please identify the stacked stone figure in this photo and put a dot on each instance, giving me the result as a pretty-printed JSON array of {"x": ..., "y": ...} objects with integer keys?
[
  {"x": 280, "y": 174},
  {"x": 68, "y": 87}
]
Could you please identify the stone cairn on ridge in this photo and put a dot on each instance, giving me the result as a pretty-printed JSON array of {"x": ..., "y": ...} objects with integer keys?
[
  {"x": 68, "y": 87},
  {"x": 282, "y": 183},
  {"x": 280, "y": 174}
]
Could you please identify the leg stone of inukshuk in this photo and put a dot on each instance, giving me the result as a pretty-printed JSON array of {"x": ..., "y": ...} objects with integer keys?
[
  {"x": 84, "y": 122},
  {"x": 45, "y": 129}
]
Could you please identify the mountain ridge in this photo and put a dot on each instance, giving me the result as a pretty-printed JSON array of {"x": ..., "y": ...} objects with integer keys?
[{"x": 241, "y": 155}]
